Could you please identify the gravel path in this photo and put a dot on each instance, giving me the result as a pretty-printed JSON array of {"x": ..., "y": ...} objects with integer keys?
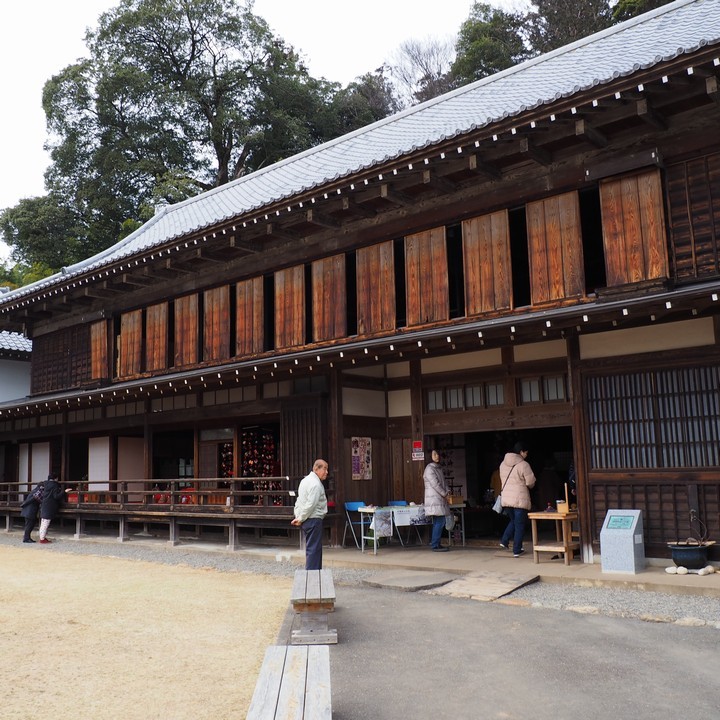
[{"x": 615, "y": 602}]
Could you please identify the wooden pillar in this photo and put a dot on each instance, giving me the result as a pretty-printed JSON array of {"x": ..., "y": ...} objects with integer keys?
[
  {"x": 336, "y": 435},
  {"x": 580, "y": 450},
  {"x": 416, "y": 418}
]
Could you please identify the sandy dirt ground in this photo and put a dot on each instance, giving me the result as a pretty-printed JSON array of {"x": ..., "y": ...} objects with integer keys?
[{"x": 86, "y": 637}]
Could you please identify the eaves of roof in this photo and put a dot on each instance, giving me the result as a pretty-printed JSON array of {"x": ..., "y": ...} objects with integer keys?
[
  {"x": 14, "y": 342},
  {"x": 681, "y": 27}
]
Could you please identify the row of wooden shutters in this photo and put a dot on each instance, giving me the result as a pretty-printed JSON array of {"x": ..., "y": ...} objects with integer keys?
[{"x": 634, "y": 247}]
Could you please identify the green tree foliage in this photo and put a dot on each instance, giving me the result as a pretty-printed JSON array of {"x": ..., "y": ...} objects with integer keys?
[
  {"x": 489, "y": 41},
  {"x": 550, "y": 24},
  {"x": 626, "y": 9},
  {"x": 175, "y": 97}
]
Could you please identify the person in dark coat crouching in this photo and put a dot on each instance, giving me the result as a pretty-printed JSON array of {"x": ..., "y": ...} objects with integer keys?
[
  {"x": 30, "y": 506},
  {"x": 50, "y": 505}
]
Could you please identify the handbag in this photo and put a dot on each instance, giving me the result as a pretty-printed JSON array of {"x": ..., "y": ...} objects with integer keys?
[{"x": 497, "y": 505}]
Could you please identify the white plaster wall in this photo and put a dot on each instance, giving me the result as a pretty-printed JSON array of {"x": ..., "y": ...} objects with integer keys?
[
  {"x": 540, "y": 351},
  {"x": 399, "y": 403},
  {"x": 99, "y": 463},
  {"x": 398, "y": 369},
  {"x": 367, "y": 403},
  {"x": 40, "y": 466},
  {"x": 462, "y": 361},
  {"x": 653, "y": 338},
  {"x": 131, "y": 465},
  {"x": 23, "y": 464},
  {"x": 14, "y": 379}
]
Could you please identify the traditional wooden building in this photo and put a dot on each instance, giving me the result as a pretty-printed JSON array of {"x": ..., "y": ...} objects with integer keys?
[{"x": 534, "y": 255}]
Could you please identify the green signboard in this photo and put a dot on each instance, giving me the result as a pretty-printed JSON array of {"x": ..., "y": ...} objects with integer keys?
[{"x": 620, "y": 522}]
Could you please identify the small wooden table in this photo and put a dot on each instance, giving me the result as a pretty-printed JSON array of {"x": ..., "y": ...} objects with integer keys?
[{"x": 563, "y": 533}]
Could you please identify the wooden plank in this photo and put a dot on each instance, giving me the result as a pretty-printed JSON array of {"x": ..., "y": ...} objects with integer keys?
[
  {"x": 99, "y": 349},
  {"x": 427, "y": 282},
  {"x": 290, "y": 307},
  {"x": 291, "y": 698},
  {"x": 486, "y": 257},
  {"x": 216, "y": 324},
  {"x": 156, "y": 336},
  {"x": 297, "y": 594},
  {"x": 375, "y": 279},
  {"x": 267, "y": 688},
  {"x": 318, "y": 694},
  {"x": 329, "y": 298},
  {"x": 130, "y": 343},
  {"x": 186, "y": 330},
  {"x": 327, "y": 585},
  {"x": 249, "y": 322},
  {"x": 312, "y": 591}
]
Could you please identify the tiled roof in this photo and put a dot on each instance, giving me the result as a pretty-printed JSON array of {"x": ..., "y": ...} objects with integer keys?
[
  {"x": 14, "y": 342},
  {"x": 680, "y": 27}
]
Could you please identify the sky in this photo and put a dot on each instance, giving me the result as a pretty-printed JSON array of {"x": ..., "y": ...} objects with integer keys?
[{"x": 339, "y": 40}]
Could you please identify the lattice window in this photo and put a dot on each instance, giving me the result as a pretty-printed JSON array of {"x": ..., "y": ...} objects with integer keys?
[{"x": 655, "y": 419}]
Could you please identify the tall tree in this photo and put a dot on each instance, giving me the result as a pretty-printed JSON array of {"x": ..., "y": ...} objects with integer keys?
[
  {"x": 550, "y": 24},
  {"x": 489, "y": 41},
  {"x": 175, "y": 97},
  {"x": 422, "y": 69},
  {"x": 626, "y": 9}
]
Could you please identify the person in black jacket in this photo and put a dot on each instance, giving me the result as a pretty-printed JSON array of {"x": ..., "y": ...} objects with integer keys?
[
  {"x": 51, "y": 501},
  {"x": 30, "y": 506}
]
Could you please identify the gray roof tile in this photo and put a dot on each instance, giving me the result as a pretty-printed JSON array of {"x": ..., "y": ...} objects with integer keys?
[
  {"x": 14, "y": 342},
  {"x": 660, "y": 35}
]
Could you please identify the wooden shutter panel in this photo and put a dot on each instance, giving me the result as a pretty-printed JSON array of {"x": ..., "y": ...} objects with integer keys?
[
  {"x": 633, "y": 222},
  {"x": 249, "y": 333},
  {"x": 555, "y": 248},
  {"x": 427, "y": 286},
  {"x": 186, "y": 330},
  {"x": 329, "y": 298},
  {"x": 290, "y": 307},
  {"x": 156, "y": 337},
  {"x": 130, "y": 344},
  {"x": 693, "y": 199},
  {"x": 100, "y": 369},
  {"x": 375, "y": 271},
  {"x": 486, "y": 259},
  {"x": 216, "y": 324}
]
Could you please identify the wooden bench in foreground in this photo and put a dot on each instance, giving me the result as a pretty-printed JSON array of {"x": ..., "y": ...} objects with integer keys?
[
  {"x": 294, "y": 684},
  {"x": 312, "y": 598}
]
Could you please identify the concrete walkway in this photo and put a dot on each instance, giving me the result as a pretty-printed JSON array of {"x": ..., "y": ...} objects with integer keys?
[{"x": 405, "y": 568}]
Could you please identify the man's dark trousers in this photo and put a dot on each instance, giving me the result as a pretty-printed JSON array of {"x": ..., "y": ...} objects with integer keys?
[{"x": 313, "y": 529}]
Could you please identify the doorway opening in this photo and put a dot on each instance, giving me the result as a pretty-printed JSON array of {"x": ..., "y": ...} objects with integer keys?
[{"x": 470, "y": 459}]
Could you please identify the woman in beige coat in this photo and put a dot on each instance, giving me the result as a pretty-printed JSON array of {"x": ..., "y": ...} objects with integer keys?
[
  {"x": 517, "y": 478},
  {"x": 436, "y": 505}
]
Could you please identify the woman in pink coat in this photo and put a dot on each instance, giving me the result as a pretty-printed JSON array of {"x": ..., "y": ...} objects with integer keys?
[{"x": 517, "y": 478}]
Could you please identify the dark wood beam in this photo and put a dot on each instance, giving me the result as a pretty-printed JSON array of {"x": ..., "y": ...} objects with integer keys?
[
  {"x": 583, "y": 129},
  {"x": 437, "y": 182},
  {"x": 349, "y": 205},
  {"x": 102, "y": 290},
  {"x": 395, "y": 196},
  {"x": 646, "y": 113},
  {"x": 317, "y": 218},
  {"x": 274, "y": 231},
  {"x": 484, "y": 168},
  {"x": 540, "y": 156},
  {"x": 236, "y": 242},
  {"x": 711, "y": 88},
  {"x": 139, "y": 280}
]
